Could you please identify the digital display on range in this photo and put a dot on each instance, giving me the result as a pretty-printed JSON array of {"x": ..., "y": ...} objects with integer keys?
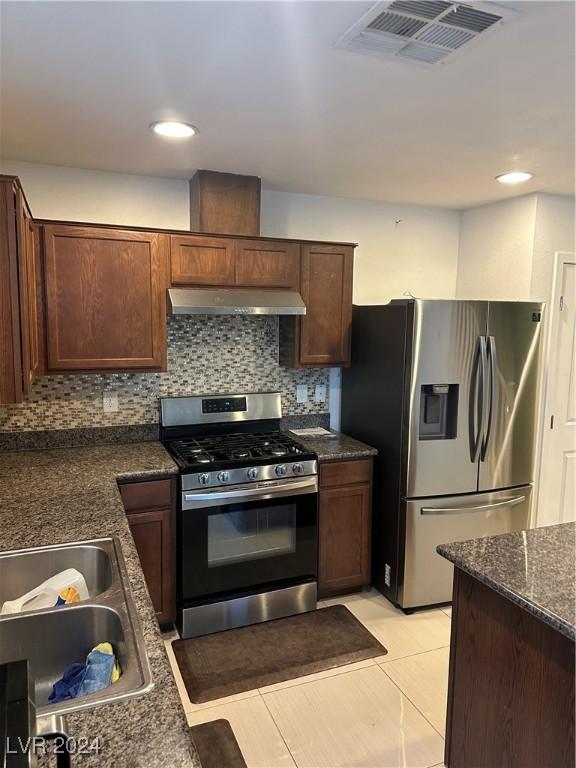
[{"x": 224, "y": 405}]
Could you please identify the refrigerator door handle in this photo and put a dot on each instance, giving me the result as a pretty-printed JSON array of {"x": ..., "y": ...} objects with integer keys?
[
  {"x": 477, "y": 404},
  {"x": 512, "y": 501},
  {"x": 492, "y": 408}
]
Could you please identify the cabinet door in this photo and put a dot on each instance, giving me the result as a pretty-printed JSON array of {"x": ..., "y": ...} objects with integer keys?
[
  {"x": 267, "y": 264},
  {"x": 105, "y": 298},
  {"x": 197, "y": 260},
  {"x": 19, "y": 295},
  {"x": 344, "y": 538},
  {"x": 11, "y": 383},
  {"x": 29, "y": 278},
  {"x": 326, "y": 286},
  {"x": 154, "y": 538}
]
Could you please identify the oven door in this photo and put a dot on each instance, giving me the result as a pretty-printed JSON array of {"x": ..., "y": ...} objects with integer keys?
[{"x": 235, "y": 540}]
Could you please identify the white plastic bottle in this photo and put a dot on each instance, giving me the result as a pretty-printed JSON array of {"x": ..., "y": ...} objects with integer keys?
[{"x": 45, "y": 595}]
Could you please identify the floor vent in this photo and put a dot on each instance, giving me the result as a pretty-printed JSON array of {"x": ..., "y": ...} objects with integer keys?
[{"x": 425, "y": 32}]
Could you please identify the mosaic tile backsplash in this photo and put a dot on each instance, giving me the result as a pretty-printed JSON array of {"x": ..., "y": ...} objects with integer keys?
[{"x": 206, "y": 355}]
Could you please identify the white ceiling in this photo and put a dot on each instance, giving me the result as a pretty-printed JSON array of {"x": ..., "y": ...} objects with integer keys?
[{"x": 81, "y": 82}]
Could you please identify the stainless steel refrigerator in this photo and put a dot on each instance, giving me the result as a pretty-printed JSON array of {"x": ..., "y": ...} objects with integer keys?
[{"x": 446, "y": 391}]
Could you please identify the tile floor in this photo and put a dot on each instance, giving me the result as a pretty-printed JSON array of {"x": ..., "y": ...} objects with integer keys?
[{"x": 386, "y": 712}]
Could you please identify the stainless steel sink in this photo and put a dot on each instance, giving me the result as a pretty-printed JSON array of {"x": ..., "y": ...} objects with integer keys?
[
  {"x": 24, "y": 569},
  {"x": 53, "y": 638}
]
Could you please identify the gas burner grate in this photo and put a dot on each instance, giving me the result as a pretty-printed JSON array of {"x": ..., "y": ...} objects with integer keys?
[{"x": 236, "y": 448}]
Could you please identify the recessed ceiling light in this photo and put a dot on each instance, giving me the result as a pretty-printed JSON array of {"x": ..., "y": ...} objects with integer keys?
[
  {"x": 514, "y": 177},
  {"x": 173, "y": 129}
]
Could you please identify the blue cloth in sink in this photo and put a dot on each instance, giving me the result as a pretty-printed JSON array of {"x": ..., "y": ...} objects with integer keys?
[{"x": 82, "y": 679}]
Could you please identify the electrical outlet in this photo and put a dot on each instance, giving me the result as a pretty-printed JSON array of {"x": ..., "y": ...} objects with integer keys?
[
  {"x": 320, "y": 393},
  {"x": 302, "y": 393},
  {"x": 110, "y": 402}
]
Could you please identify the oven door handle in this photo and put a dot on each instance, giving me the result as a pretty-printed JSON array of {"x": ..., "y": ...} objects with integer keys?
[{"x": 210, "y": 498}]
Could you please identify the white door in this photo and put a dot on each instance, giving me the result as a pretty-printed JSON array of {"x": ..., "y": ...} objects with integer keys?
[{"x": 557, "y": 492}]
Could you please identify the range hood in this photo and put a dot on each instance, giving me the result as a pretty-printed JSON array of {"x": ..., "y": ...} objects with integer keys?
[{"x": 234, "y": 301}]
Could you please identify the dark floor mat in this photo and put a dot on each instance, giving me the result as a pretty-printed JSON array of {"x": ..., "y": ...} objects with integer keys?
[
  {"x": 216, "y": 745},
  {"x": 242, "y": 659}
]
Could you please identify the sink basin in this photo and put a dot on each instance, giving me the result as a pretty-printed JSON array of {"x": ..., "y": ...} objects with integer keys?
[
  {"x": 53, "y": 638},
  {"x": 24, "y": 569}
]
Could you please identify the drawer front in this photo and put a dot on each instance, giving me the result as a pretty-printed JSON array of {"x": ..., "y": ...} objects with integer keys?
[
  {"x": 340, "y": 473},
  {"x": 148, "y": 495}
]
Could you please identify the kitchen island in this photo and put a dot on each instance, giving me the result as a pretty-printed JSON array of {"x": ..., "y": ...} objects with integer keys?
[
  {"x": 71, "y": 494},
  {"x": 511, "y": 679}
]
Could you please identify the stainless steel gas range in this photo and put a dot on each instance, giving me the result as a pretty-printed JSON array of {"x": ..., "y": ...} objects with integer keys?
[{"x": 247, "y": 515}]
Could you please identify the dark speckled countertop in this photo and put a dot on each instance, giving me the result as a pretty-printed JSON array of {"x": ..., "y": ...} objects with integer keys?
[
  {"x": 535, "y": 569},
  {"x": 339, "y": 447},
  {"x": 71, "y": 494}
]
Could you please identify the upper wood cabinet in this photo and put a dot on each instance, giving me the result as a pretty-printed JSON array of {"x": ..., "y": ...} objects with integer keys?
[
  {"x": 267, "y": 264},
  {"x": 28, "y": 239},
  {"x": 105, "y": 298},
  {"x": 76, "y": 297},
  {"x": 198, "y": 260},
  {"x": 322, "y": 273},
  {"x": 326, "y": 287},
  {"x": 322, "y": 336},
  {"x": 20, "y": 331}
]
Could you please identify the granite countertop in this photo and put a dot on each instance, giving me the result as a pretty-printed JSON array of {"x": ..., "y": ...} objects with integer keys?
[
  {"x": 61, "y": 495},
  {"x": 339, "y": 447},
  {"x": 534, "y": 569}
]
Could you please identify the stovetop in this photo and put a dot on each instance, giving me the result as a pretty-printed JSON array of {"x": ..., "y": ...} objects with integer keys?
[{"x": 235, "y": 450}]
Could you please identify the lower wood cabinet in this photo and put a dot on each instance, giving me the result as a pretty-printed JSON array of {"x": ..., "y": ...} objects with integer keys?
[
  {"x": 510, "y": 684},
  {"x": 150, "y": 508},
  {"x": 345, "y": 516}
]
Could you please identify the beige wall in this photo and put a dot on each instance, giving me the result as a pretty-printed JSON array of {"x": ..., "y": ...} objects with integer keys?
[
  {"x": 76, "y": 194},
  {"x": 419, "y": 254},
  {"x": 495, "y": 251},
  {"x": 507, "y": 249},
  {"x": 554, "y": 232}
]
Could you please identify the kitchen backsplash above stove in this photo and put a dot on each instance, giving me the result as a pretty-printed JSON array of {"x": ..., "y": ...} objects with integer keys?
[{"x": 219, "y": 354}]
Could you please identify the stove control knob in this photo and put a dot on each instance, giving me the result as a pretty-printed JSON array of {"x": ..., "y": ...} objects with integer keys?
[
  {"x": 252, "y": 473},
  {"x": 297, "y": 469},
  {"x": 223, "y": 477},
  {"x": 203, "y": 478},
  {"x": 280, "y": 470}
]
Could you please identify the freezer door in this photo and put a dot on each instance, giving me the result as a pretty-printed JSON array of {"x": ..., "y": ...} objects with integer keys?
[
  {"x": 429, "y": 522},
  {"x": 443, "y": 409},
  {"x": 513, "y": 350}
]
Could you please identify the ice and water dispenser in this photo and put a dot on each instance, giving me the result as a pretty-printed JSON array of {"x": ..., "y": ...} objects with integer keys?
[{"x": 438, "y": 411}]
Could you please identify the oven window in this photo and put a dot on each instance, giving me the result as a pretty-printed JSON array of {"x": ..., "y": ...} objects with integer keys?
[{"x": 237, "y": 535}]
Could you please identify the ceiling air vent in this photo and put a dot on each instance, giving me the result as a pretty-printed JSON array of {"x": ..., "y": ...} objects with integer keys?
[{"x": 425, "y": 32}]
